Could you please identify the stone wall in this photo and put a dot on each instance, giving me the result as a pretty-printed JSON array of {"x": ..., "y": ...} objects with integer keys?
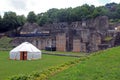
[
  {"x": 39, "y": 42},
  {"x": 83, "y": 47},
  {"x": 80, "y": 36},
  {"x": 116, "y": 39},
  {"x": 95, "y": 41}
]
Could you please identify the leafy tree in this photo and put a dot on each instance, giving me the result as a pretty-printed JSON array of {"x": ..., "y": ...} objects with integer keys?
[
  {"x": 52, "y": 15},
  {"x": 0, "y": 18},
  {"x": 31, "y": 17},
  {"x": 43, "y": 18},
  {"x": 112, "y": 10},
  {"x": 85, "y": 11},
  {"x": 100, "y": 11},
  {"x": 1, "y": 24},
  {"x": 62, "y": 15},
  {"x": 79, "y": 13},
  {"x": 0, "y": 21},
  {"x": 70, "y": 15},
  {"x": 21, "y": 20},
  {"x": 118, "y": 11},
  {"x": 10, "y": 21},
  {"x": 111, "y": 6}
]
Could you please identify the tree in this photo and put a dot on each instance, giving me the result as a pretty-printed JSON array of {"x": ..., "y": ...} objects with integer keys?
[
  {"x": 0, "y": 21},
  {"x": 118, "y": 11},
  {"x": 21, "y": 20},
  {"x": 31, "y": 17},
  {"x": 43, "y": 19},
  {"x": 1, "y": 24},
  {"x": 100, "y": 11},
  {"x": 86, "y": 10},
  {"x": 111, "y": 6},
  {"x": 52, "y": 15},
  {"x": 112, "y": 10},
  {"x": 10, "y": 21},
  {"x": 62, "y": 15}
]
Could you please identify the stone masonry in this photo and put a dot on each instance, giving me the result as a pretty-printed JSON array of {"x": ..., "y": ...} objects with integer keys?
[{"x": 80, "y": 36}]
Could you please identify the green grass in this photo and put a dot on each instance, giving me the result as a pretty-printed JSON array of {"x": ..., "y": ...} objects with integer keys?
[
  {"x": 5, "y": 43},
  {"x": 15, "y": 67},
  {"x": 67, "y": 53},
  {"x": 103, "y": 66}
]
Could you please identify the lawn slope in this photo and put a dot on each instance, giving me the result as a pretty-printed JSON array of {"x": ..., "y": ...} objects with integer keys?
[
  {"x": 5, "y": 43},
  {"x": 103, "y": 66}
]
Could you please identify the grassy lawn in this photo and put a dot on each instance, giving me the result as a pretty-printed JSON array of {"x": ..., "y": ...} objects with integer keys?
[
  {"x": 104, "y": 66},
  {"x": 67, "y": 53},
  {"x": 15, "y": 67}
]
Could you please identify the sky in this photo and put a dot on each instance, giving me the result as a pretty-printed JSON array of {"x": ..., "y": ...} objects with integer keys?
[{"x": 23, "y": 7}]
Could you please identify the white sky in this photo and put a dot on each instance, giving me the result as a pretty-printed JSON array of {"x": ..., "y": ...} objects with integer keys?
[{"x": 38, "y": 6}]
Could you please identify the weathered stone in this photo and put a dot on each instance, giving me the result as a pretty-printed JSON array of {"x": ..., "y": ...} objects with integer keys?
[
  {"x": 76, "y": 45},
  {"x": 83, "y": 47},
  {"x": 61, "y": 42},
  {"x": 117, "y": 39},
  {"x": 80, "y": 36}
]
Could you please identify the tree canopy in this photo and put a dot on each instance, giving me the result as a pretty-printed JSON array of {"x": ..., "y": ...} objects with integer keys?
[
  {"x": 112, "y": 10},
  {"x": 11, "y": 20},
  {"x": 31, "y": 17}
]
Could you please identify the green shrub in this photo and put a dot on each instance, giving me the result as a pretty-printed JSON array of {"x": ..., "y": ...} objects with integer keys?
[
  {"x": 19, "y": 77},
  {"x": 35, "y": 74},
  {"x": 42, "y": 77}
]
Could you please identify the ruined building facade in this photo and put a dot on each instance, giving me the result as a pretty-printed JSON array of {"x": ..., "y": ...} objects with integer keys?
[{"x": 81, "y": 36}]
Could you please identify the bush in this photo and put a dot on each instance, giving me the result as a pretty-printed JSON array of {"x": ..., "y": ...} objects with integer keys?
[{"x": 19, "y": 77}]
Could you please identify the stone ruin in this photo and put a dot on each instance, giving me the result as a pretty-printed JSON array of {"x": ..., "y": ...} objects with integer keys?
[{"x": 80, "y": 36}]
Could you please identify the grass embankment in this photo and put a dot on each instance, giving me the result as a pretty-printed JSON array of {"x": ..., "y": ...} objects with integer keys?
[
  {"x": 103, "y": 66},
  {"x": 74, "y": 54},
  {"x": 13, "y": 67},
  {"x": 5, "y": 43}
]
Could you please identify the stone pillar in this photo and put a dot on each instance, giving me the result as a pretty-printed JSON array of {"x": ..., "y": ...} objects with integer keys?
[
  {"x": 76, "y": 45},
  {"x": 95, "y": 41},
  {"x": 61, "y": 42}
]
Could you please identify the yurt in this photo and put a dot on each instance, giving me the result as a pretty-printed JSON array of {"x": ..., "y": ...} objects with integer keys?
[{"x": 25, "y": 51}]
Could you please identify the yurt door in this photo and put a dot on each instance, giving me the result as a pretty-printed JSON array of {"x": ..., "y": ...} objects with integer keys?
[{"x": 23, "y": 55}]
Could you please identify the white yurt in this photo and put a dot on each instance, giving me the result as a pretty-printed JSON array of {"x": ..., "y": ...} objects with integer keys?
[{"x": 25, "y": 51}]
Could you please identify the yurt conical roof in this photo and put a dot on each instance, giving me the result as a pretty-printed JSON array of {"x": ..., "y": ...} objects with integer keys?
[{"x": 25, "y": 46}]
